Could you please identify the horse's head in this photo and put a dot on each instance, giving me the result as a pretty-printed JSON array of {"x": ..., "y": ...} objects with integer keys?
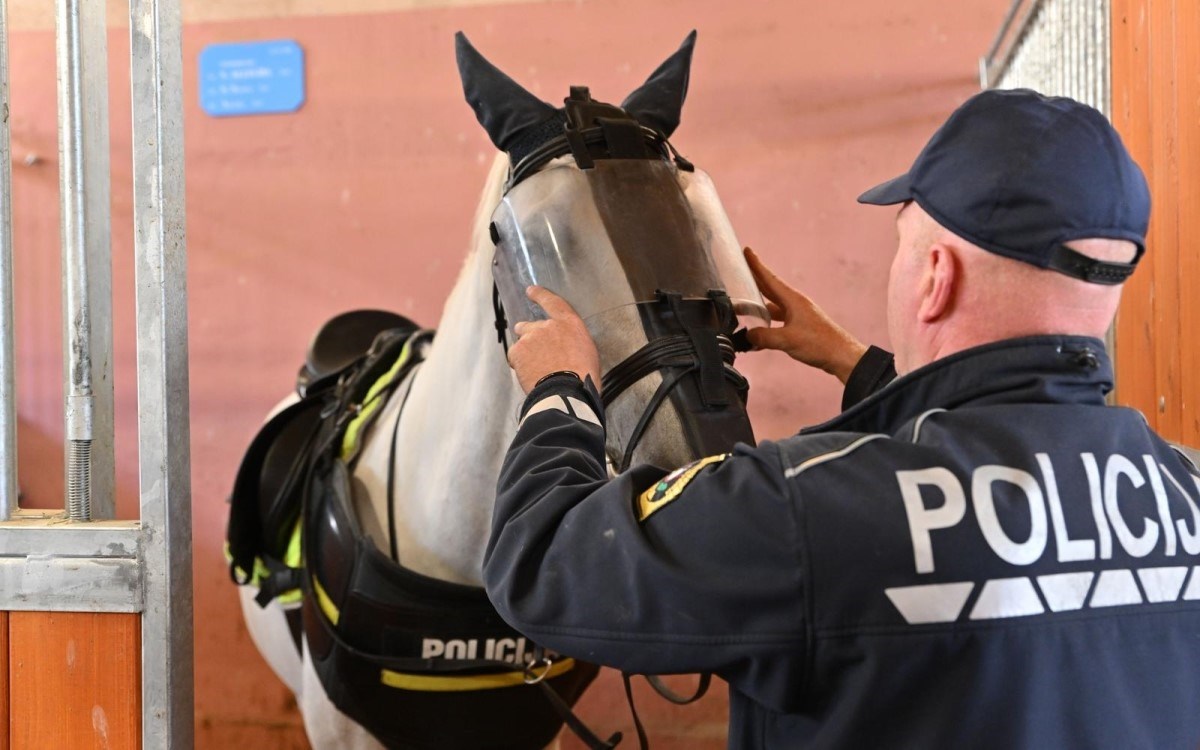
[{"x": 600, "y": 209}]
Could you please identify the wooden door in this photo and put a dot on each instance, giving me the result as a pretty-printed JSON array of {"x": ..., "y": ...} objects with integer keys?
[
  {"x": 70, "y": 680},
  {"x": 1156, "y": 107}
]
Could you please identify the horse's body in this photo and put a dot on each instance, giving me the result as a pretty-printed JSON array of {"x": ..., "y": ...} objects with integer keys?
[{"x": 459, "y": 415}]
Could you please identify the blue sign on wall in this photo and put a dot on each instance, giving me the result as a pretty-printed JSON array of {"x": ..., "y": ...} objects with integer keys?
[{"x": 251, "y": 78}]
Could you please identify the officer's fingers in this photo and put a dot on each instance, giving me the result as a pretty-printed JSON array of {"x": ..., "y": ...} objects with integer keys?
[
  {"x": 766, "y": 338},
  {"x": 776, "y": 312},
  {"x": 516, "y": 353},
  {"x": 771, "y": 286},
  {"x": 556, "y": 307},
  {"x": 526, "y": 327}
]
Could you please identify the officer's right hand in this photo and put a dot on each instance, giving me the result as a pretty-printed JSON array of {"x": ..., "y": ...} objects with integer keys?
[
  {"x": 807, "y": 335},
  {"x": 560, "y": 343}
]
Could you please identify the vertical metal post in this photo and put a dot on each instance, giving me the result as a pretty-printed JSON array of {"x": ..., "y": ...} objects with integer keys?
[
  {"x": 8, "y": 389},
  {"x": 156, "y": 66},
  {"x": 87, "y": 261}
]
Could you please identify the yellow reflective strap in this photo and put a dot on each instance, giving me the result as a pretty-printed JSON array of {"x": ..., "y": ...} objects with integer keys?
[
  {"x": 293, "y": 596},
  {"x": 324, "y": 602},
  {"x": 261, "y": 572},
  {"x": 372, "y": 403},
  {"x": 292, "y": 557},
  {"x": 458, "y": 683}
]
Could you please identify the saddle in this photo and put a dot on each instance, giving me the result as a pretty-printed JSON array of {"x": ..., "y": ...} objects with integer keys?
[
  {"x": 263, "y": 535},
  {"x": 397, "y": 651}
]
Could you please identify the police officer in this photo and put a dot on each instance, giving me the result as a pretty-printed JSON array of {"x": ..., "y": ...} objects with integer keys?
[{"x": 979, "y": 553}]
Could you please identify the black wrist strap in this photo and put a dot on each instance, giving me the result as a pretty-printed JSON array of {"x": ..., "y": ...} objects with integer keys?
[{"x": 556, "y": 373}]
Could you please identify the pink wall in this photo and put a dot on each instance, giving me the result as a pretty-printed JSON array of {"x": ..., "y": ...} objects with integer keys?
[{"x": 364, "y": 198}]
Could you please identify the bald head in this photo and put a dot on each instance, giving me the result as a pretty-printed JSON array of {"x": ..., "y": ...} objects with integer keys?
[{"x": 946, "y": 294}]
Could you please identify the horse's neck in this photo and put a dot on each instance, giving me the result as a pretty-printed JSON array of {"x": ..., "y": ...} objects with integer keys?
[{"x": 457, "y": 424}]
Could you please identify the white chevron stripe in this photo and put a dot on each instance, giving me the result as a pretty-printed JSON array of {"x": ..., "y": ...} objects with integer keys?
[
  {"x": 1193, "y": 589},
  {"x": 1162, "y": 584},
  {"x": 546, "y": 404},
  {"x": 1007, "y": 597},
  {"x": 583, "y": 411},
  {"x": 935, "y": 602},
  {"x": 1115, "y": 588},
  {"x": 1065, "y": 591}
]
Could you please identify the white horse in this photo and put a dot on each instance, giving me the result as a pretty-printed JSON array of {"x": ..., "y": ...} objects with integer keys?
[{"x": 460, "y": 409}]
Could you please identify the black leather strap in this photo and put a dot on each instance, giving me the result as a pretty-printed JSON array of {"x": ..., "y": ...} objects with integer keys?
[
  {"x": 660, "y": 395},
  {"x": 501, "y": 318},
  {"x": 1065, "y": 260},
  {"x": 679, "y": 700},
  {"x": 643, "y": 742}
]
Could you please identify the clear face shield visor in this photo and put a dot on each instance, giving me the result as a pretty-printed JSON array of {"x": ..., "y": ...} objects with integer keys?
[{"x": 615, "y": 235}]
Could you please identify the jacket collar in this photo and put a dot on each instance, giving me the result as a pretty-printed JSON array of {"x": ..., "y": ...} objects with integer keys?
[{"x": 1030, "y": 370}]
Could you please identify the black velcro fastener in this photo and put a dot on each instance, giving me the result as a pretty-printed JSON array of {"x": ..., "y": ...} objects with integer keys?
[
  {"x": 535, "y": 136},
  {"x": 1065, "y": 260},
  {"x": 624, "y": 138},
  {"x": 711, "y": 378}
]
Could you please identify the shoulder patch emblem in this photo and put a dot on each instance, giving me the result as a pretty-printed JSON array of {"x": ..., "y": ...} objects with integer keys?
[{"x": 669, "y": 487}]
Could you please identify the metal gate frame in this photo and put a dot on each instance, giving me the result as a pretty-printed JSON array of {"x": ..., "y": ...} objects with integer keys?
[{"x": 81, "y": 560}]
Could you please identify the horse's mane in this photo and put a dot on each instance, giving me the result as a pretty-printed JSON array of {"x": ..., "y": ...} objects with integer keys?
[{"x": 489, "y": 198}]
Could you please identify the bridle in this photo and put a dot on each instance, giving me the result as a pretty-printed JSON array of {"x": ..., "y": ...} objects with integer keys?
[
  {"x": 695, "y": 350},
  {"x": 707, "y": 348}
]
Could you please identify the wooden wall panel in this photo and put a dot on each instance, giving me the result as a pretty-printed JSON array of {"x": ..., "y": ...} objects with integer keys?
[
  {"x": 1164, "y": 188},
  {"x": 75, "y": 681},
  {"x": 4, "y": 711},
  {"x": 1155, "y": 86},
  {"x": 1188, "y": 21},
  {"x": 1131, "y": 115}
]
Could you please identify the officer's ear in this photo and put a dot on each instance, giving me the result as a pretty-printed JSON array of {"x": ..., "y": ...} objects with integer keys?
[
  {"x": 658, "y": 102},
  {"x": 503, "y": 107},
  {"x": 940, "y": 283}
]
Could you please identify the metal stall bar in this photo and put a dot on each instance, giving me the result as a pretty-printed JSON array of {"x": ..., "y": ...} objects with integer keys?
[
  {"x": 87, "y": 260},
  {"x": 47, "y": 561},
  {"x": 1058, "y": 47},
  {"x": 163, "y": 430},
  {"x": 8, "y": 361},
  {"x": 991, "y": 59}
]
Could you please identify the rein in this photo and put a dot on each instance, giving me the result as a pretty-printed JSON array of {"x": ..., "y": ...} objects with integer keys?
[{"x": 676, "y": 351}]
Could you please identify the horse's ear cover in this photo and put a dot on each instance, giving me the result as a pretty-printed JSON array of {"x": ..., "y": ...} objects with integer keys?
[
  {"x": 504, "y": 108},
  {"x": 658, "y": 102}
]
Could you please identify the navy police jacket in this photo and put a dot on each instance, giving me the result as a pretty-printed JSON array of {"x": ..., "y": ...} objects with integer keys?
[{"x": 981, "y": 554}]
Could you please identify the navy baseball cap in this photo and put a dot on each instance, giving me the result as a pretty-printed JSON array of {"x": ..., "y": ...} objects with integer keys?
[{"x": 1019, "y": 174}]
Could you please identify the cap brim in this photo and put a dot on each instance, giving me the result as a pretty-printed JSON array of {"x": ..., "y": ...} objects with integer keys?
[{"x": 889, "y": 193}]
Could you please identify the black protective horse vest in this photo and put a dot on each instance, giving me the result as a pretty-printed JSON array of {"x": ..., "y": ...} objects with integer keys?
[{"x": 419, "y": 662}]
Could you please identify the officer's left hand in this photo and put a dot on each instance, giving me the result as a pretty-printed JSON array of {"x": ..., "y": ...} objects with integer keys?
[{"x": 560, "y": 343}]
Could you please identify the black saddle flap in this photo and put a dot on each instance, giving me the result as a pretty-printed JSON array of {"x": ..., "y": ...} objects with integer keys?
[{"x": 267, "y": 491}]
